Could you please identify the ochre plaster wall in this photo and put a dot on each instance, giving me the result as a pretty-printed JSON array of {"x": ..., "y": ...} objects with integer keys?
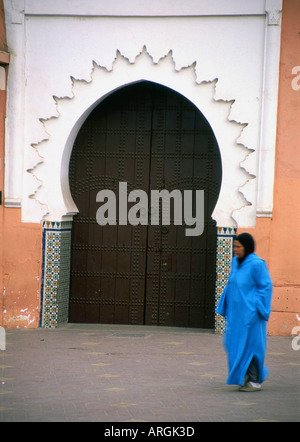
[{"x": 20, "y": 271}]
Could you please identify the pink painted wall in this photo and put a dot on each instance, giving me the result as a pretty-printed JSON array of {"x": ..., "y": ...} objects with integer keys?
[{"x": 20, "y": 270}]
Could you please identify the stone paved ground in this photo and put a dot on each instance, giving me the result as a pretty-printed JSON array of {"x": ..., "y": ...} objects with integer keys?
[{"x": 108, "y": 373}]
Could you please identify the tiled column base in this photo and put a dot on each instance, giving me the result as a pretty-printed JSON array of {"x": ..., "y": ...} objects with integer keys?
[
  {"x": 225, "y": 239},
  {"x": 56, "y": 273}
]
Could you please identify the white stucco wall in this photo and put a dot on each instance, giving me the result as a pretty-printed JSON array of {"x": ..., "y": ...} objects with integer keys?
[{"x": 67, "y": 55}]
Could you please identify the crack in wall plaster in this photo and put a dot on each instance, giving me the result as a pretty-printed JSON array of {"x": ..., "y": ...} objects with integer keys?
[{"x": 125, "y": 65}]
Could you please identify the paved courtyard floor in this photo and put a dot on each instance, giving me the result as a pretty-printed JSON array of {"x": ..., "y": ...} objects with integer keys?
[{"x": 115, "y": 373}]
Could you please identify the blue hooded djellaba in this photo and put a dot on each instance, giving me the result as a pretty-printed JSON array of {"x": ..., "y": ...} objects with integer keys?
[{"x": 246, "y": 305}]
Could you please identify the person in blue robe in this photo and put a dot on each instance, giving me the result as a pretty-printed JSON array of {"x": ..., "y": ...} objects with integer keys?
[{"x": 246, "y": 305}]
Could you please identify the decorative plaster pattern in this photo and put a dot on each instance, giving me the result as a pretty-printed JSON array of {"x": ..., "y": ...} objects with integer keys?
[
  {"x": 236, "y": 52},
  {"x": 50, "y": 171}
]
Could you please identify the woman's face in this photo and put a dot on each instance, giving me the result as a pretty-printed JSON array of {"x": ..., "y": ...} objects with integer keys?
[{"x": 239, "y": 249}]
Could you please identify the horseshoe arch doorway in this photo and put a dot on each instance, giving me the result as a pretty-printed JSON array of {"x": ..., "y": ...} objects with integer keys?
[{"x": 152, "y": 138}]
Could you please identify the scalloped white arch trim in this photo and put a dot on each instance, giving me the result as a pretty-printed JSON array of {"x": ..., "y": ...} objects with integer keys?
[{"x": 51, "y": 198}]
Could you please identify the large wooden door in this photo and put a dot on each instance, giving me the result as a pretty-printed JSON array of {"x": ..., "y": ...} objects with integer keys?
[{"x": 152, "y": 138}]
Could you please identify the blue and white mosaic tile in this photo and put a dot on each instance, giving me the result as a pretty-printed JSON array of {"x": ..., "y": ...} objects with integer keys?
[
  {"x": 225, "y": 239},
  {"x": 55, "y": 273}
]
